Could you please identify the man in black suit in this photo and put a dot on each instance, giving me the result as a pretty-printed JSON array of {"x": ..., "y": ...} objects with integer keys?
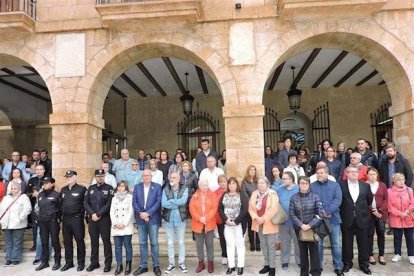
[{"x": 355, "y": 211}]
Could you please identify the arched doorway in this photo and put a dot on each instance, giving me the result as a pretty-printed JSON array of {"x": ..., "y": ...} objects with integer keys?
[{"x": 25, "y": 108}]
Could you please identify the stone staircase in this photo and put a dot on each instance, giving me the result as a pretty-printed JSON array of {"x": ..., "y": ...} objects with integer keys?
[{"x": 189, "y": 243}]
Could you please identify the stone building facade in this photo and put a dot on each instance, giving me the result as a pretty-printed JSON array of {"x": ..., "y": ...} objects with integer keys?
[{"x": 80, "y": 48}]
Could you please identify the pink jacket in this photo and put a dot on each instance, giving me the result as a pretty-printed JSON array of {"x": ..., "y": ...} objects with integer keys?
[{"x": 399, "y": 200}]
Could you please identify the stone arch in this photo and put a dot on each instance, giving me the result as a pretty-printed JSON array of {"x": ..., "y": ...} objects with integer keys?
[
  {"x": 364, "y": 38},
  {"x": 108, "y": 64}
]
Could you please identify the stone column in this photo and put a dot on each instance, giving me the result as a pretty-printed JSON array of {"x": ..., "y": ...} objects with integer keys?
[
  {"x": 76, "y": 145},
  {"x": 244, "y": 138},
  {"x": 403, "y": 134}
]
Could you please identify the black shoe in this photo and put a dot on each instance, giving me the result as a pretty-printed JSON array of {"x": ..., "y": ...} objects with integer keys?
[
  {"x": 366, "y": 270},
  {"x": 252, "y": 248},
  {"x": 8, "y": 262},
  {"x": 119, "y": 269},
  {"x": 107, "y": 268},
  {"x": 92, "y": 267},
  {"x": 240, "y": 271},
  {"x": 264, "y": 270},
  {"x": 15, "y": 263},
  {"x": 347, "y": 268},
  {"x": 33, "y": 248},
  {"x": 140, "y": 270},
  {"x": 67, "y": 266},
  {"x": 80, "y": 267},
  {"x": 35, "y": 262},
  {"x": 42, "y": 266},
  {"x": 230, "y": 270},
  {"x": 381, "y": 262},
  {"x": 56, "y": 265},
  {"x": 127, "y": 267},
  {"x": 157, "y": 271},
  {"x": 339, "y": 272},
  {"x": 258, "y": 249},
  {"x": 285, "y": 266}
]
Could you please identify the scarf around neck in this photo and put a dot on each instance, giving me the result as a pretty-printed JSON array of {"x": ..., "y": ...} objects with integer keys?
[
  {"x": 260, "y": 197},
  {"x": 121, "y": 195}
]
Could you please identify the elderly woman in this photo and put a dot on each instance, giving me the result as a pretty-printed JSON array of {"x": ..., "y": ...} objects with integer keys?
[
  {"x": 305, "y": 211},
  {"x": 401, "y": 214},
  {"x": 203, "y": 209},
  {"x": 188, "y": 178},
  {"x": 156, "y": 173},
  {"x": 122, "y": 219},
  {"x": 233, "y": 206},
  {"x": 14, "y": 209},
  {"x": 263, "y": 205}
]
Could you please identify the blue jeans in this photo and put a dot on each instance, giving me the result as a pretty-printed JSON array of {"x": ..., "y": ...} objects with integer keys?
[
  {"x": 39, "y": 245},
  {"x": 336, "y": 248},
  {"x": 13, "y": 239},
  {"x": 176, "y": 233},
  {"x": 126, "y": 242},
  {"x": 151, "y": 231}
]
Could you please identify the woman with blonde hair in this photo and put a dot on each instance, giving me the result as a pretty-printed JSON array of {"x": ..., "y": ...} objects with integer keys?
[{"x": 263, "y": 205}]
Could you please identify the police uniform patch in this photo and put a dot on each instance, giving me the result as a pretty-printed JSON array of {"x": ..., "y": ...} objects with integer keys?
[
  {"x": 105, "y": 192},
  {"x": 112, "y": 192},
  {"x": 92, "y": 191},
  {"x": 75, "y": 194}
]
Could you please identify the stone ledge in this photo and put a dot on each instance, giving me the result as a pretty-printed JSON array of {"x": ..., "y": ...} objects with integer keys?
[
  {"x": 306, "y": 10},
  {"x": 253, "y": 110},
  {"x": 16, "y": 22},
  {"x": 76, "y": 118},
  {"x": 117, "y": 14}
]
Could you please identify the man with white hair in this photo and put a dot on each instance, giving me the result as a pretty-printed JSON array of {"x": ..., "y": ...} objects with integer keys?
[
  {"x": 355, "y": 161},
  {"x": 211, "y": 173}
]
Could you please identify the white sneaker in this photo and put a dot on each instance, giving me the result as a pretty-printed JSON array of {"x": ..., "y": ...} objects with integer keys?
[
  {"x": 224, "y": 261},
  {"x": 183, "y": 268},
  {"x": 396, "y": 258},
  {"x": 169, "y": 269},
  {"x": 411, "y": 259}
]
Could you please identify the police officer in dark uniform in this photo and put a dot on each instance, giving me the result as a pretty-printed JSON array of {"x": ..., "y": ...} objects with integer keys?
[
  {"x": 49, "y": 220},
  {"x": 73, "y": 226},
  {"x": 97, "y": 205}
]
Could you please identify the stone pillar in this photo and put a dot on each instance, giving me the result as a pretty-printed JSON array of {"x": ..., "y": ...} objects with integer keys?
[
  {"x": 244, "y": 138},
  {"x": 403, "y": 134},
  {"x": 76, "y": 144}
]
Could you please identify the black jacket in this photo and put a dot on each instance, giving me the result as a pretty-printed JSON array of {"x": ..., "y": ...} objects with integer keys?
[
  {"x": 361, "y": 210},
  {"x": 49, "y": 206},
  {"x": 98, "y": 199},
  {"x": 72, "y": 200},
  {"x": 303, "y": 209},
  {"x": 243, "y": 209},
  {"x": 369, "y": 159},
  {"x": 401, "y": 166}
]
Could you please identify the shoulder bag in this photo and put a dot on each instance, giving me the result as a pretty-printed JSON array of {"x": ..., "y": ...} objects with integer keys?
[
  {"x": 8, "y": 207},
  {"x": 306, "y": 235}
]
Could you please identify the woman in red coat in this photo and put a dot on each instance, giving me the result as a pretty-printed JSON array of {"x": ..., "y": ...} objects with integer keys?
[
  {"x": 379, "y": 215},
  {"x": 401, "y": 212}
]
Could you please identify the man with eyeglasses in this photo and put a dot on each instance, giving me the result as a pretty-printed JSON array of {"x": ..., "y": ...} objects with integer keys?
[
  {"x": 355, "y": 214},
  {"x": 355, "y": 162},
  {"x": 13, "y": 164}
]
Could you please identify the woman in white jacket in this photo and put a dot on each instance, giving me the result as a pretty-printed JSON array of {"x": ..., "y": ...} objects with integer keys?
[
  {"x": 14, "y": 210},
  {"x": 122, "y": 219}
]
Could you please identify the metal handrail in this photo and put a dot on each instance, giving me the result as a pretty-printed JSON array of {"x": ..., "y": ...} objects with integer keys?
[{"x": 27, "y": 6}]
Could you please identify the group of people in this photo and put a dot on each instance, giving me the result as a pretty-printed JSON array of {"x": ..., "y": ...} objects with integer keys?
[{"x": 355, "y": 199}]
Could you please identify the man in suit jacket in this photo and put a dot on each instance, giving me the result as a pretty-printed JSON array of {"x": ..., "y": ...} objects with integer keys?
[
  {"x": 355, "y": 211},
  {"x": 147, "y": 207}
]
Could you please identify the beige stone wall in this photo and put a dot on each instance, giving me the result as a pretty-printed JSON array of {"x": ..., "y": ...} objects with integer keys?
[
  {"x": 152, "y": 121},
  {"x": 349, "y": 108}
]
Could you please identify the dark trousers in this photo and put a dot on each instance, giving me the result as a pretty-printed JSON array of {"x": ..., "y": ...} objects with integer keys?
[
  {"x": 74, "y": 228},
  {"x": 361, "y": 234},
  {"x": 253, "y": 236},
  {"x": 304, "y": 249},
  {"x": 223, "y": 245},
  {"x": 101, "y": 227},
  {"x": 376, "y": 225},
  {"x": 409, "y": 240},
  {"x": 34, "y": 229},
  {"x": 51, "y": 229}
]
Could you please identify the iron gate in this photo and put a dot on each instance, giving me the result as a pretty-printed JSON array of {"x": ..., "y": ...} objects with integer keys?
[
  {"x": 271, "y": 127},
  {"x": 320, "y": 125},
  {"x": 199, "y": 125},
  {"x": 382, "y": 125}
]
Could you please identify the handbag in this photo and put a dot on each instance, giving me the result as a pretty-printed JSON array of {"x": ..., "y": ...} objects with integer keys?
[
  {"x": 280, "y": 217},
  {"x": 306, "y": 235},
  {"x": 323, "y": 229}
]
